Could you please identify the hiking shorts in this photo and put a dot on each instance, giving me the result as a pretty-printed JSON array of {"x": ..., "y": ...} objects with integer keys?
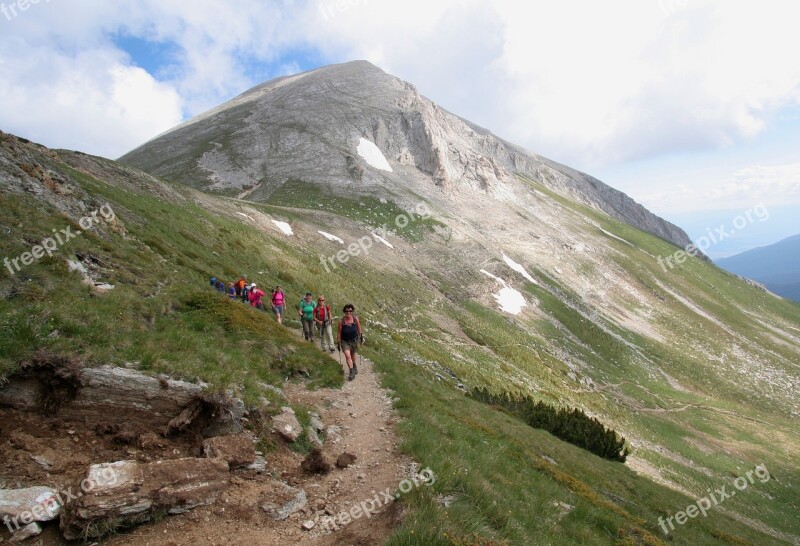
[
  {"x": 352, "y": 346},
  {"x": 277, "y": 309}
]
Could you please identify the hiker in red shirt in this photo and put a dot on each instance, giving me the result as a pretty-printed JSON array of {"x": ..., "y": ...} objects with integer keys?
[
  {"x": 322, "y": 318},
  {"x": 255, "y": 297}
]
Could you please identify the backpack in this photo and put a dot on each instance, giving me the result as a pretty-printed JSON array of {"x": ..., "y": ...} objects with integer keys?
[
  {"x": 213, "y": 281},
  {"x": 326, "y": 312}
]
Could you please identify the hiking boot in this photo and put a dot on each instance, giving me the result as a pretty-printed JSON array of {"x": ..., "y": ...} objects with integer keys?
[
  {"x": 355, "y": 369},
  {"x": 333, "y": 350},
  {"x": 352, "y": 374}
]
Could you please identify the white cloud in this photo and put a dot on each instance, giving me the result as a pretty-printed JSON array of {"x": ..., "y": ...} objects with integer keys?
[
  {"x": 90, "y": 102},
  {"x": 586, "y": 83},
  {"x": 766, "y": 184},
  {"x": 65, "y": 84}
]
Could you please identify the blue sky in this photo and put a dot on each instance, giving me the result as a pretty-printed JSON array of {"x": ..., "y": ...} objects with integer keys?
[{"x": 692, "y": 107}]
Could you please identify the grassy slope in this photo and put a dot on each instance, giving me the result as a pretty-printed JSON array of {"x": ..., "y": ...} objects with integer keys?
[{"x": 162, "y": 315}]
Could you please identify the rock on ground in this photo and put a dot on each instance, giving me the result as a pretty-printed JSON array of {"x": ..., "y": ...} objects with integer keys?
[
  {"x": 315, "y": 463},
  {"x": 282, "y": 501},
  {"x": 30, "y": 530},
  {"x": 32, "y": 504},
  {"x": 287, "y": 425},
  {"x": 127, "y": 492}
]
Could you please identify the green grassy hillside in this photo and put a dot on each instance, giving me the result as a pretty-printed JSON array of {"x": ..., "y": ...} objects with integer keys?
[{"x": 696, "y": 416}]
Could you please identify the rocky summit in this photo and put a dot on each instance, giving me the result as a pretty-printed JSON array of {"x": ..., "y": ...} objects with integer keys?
[{"x": 353, "y": 128}]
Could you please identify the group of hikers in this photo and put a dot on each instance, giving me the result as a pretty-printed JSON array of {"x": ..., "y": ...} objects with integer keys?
[{"x": 313, "y": 315}]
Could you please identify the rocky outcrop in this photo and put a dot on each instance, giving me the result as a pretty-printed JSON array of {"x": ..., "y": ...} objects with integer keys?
[
  {"x": 127, "y": 493},
  {"x": 112, "y": 397}
]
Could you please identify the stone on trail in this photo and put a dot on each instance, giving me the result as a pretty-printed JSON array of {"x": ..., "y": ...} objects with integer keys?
[
  {"x": 313, "y": 437},
  {"x": 315, "y": 463},
  {"x": 316, "y": 422},
  {"x": 282, "y": 501},
  {"x": 287, "y": 425},
  {"x": 345, "y": 459}
]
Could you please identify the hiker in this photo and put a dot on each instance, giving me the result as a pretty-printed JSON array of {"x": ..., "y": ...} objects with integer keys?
[
  {"x": 239, "y": 285},
  {"x": 220, "y": 286},
  {"x": 246, "y": 293},
  {"x": 307, "y": 306},
  {"x": 231, "y": 291},
  {"x": 214, "y": 282},
  {"x": 322, "y": 318},
  {"x": 349, "y": 334},
  {"x": 278, "y": 299},
  {"x": 255, "y": 297}
]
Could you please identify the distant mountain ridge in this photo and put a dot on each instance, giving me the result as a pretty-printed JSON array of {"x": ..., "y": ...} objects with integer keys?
[
  {"x": 307, "y": 126},
  {"x": 776, "y": 266}
]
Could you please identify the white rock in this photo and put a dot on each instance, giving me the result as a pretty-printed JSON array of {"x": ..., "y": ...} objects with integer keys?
[
  {"x": 37, "y": 503},
  {"x": 30, "y": 530}
]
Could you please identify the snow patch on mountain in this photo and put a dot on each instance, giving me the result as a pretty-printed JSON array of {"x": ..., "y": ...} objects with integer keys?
[
  {"x": 518, "y": 268},
  {"x": 510, "y": 300},
  {"x": 373, "y": 155},
  {"x": 284, "y": 227},
  {"x": 330, "y": 237}
]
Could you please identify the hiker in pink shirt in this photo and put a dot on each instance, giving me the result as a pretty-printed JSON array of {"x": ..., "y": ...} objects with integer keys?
[{"x": 278, "y": 303}]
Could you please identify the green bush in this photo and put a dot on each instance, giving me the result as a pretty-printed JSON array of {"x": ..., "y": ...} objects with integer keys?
[{"x": 572, "y": 426}]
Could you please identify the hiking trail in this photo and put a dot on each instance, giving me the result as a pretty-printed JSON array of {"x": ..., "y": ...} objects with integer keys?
[{"x": 363, "y": 412}]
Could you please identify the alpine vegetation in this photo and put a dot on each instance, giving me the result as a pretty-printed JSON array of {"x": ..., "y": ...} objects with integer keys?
[{"x": 572, "y": 426}]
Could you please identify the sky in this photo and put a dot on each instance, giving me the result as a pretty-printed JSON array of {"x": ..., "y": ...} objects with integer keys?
[{"x": 691, "y": 107}]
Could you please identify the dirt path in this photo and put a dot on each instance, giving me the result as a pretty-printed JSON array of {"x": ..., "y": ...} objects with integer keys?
[
  {"x": 363, "y": 412},
  {"x": 362, "y": 422}
]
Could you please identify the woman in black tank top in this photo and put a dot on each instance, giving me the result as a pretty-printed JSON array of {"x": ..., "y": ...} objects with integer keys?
[{"x": 349, "y": 334}]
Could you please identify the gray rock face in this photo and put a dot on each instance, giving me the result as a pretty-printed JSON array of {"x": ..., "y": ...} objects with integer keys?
[{"x": 308, "y": 127}]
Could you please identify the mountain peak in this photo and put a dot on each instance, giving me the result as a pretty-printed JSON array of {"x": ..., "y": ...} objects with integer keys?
[{"x": 308, "y": 126}]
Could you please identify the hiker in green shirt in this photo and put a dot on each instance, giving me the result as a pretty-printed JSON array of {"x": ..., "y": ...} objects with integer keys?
[{"x": 307, "y": 306}]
